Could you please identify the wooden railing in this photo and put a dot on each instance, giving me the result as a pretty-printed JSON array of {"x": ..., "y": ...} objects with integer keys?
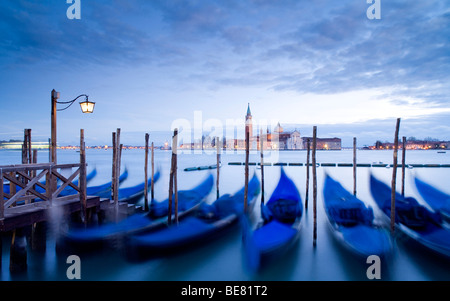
[{"x": 27, "y": 185}]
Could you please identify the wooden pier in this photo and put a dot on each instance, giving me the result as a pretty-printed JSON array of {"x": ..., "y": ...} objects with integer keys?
[{"x": 29, "y": 196}]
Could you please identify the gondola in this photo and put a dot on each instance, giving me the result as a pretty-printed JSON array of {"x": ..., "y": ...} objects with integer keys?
[
  {"x": 412, "y": 219},
  {"x": 103, "y": 190},
  {"x": 279, "y": 229},
  {"x": 133, "y": 194},
  {"x": 438, "y": 200},
  {"x": 210, "y": 221},
  {"x": 188, "y": 202},
  {"x": 352, "y": 222}
]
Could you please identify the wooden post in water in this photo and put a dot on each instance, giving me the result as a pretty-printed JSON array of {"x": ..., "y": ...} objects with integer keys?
[
  {"x": 247, "y": 147},
  {"x": 403, "y": 164},
  {"x": 153, "y": 174},
  {"x": 29, "y": 146},
  {"x": 314, "y": 184},
  {"x": 175, "y": 172},
  {"x": 308, "y": 146},
  {"x": 394, "y": 177},
  {"x": 218, "y": 165},
  {"x": 261, "y": 147},
  {"x": 116, "y": 166},
  {"x": 113, "y": 172},
  {"x": 171, "y": 176},
  {"x": 146, "y": 173},
  {"x": 354, "y": 165},
  {"x": 82, "y": 177}
]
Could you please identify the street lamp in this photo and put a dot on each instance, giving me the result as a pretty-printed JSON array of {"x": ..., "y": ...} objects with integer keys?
[{"x": 86, "y": 107}]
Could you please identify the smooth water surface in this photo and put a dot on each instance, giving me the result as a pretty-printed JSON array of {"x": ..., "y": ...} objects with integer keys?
[{"x": 222, "y": 259}]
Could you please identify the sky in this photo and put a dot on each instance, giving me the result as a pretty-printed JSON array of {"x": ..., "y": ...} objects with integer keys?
[{"x": 152, "y": 65}]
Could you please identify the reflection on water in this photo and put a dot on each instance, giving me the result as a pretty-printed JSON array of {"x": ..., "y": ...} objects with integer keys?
[{"x": 222, "y": 259}]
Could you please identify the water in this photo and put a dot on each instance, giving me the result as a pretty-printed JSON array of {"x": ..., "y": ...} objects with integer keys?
[{"x": 222, "y": 259}]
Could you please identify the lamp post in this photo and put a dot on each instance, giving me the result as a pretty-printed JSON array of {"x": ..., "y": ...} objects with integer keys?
[{"x": 86, "y": 107}]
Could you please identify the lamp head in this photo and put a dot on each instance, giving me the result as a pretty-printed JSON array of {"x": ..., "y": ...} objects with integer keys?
[{"x": 87, "y": 106}]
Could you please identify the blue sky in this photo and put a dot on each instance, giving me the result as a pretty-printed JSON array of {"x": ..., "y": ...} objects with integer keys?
[{"x": 147, "y": 64}]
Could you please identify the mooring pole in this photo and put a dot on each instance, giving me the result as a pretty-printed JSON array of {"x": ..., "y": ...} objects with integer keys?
[
  {"x": 314, "y": 184},
  {"x": 403, "y": 164},
  {"x": 153, "y": 174},
  {"x": 308, "y": 146},
  {"x": 218, "y": 165},
  {"x": 175, "y": 172},
  {"x": 171, "y": 177},
  {"x": 394, "y": 177},
  {"x": 146, "y": 174},
  {"x": 261, "y": 147},
  {"x": 82, "y": 182},
  {"x": 247, "y": 147},
  {"x": 354, "y": 165}
]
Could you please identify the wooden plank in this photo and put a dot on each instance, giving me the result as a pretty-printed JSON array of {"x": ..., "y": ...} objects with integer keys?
[
  {"x": 25, "y": 167},
  {"x": 67, "y": 166},
  {"x": 27, "y": 215}
]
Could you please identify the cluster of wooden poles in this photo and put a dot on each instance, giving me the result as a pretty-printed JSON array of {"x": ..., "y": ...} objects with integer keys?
[{"x": 312, "y": 153}]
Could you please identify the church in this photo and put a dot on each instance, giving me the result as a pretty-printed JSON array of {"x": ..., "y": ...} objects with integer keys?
[{"x": 279, "y": 139}]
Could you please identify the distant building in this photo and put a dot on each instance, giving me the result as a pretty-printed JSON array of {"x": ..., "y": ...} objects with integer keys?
[
  {"x": 324, "y": 143},
  {"x": 278, "y": 140},
  {"x": 14, "y": 144},
  {"x": 413, "y": 144}
]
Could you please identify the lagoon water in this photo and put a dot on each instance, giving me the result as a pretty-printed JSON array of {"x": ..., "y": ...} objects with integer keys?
[{"x": 222, "y": 259}]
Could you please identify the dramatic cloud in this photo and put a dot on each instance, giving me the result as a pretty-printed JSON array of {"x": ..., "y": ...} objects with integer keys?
[{"x": 169, "y": 58}]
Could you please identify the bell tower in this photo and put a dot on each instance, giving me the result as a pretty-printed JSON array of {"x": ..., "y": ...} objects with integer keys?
[{"x": 249, "y": 122}]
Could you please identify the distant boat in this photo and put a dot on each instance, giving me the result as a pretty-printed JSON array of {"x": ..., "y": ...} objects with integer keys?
[
  {"x": 352, "y": 222},
  {"x": 412, "y": 219},
  {"x": 441, "y": 152},
  {"x": 280, "y": 228},
  {"x": 213, "y": 166}
]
